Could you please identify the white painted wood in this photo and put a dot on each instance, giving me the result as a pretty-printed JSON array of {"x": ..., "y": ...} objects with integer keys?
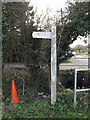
[
  {"x": 45, "y": 35},
  {"x": 53, "y": 66},
  {"x": 51, "y": 35}
]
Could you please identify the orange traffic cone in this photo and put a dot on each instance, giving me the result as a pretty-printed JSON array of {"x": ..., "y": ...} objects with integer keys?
[{"x": 14, "y": 97}]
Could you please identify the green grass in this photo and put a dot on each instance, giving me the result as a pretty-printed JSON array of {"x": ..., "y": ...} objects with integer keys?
[
  {"x": 77, "y": 53},
  {"x": 63, "y": 108},
  {"x": 87, "y": 54},
  {"x": 67, "y": 61}
]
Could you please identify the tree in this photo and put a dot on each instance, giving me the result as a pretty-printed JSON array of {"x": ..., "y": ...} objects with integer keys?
[
  {"x": 18, "y": 44},
  {"x": 17, "y": 25},
  {"x": 75, "y": 23},
  {"x": 79, "y": 47}
]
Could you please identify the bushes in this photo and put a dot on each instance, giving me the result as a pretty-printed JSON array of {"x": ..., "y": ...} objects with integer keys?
[
  {"x": 31, "y": 106},
  {"x": 8, "y": 76},
  {"x": 66, "y": 77},
  {"x": 63, "y": 108},
  {"x": 67, "y": 99},
  {"x": 26, "y": 85}
]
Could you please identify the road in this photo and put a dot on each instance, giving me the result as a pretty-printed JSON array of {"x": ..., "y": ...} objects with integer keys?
[{"x": 78, "y": 62}]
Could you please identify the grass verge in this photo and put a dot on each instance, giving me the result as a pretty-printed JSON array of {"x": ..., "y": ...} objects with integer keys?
[{"x": 67, "y": 61}]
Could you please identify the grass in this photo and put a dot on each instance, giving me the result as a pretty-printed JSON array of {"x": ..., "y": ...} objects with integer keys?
[
  {"x": 67, "y": 61},
  {"x": 77, "y": 53},
  {"x": 63, "y": 108},
  {"x": 87, "y": 54}
]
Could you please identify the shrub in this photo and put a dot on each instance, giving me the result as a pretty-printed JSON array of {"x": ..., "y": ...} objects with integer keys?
[{"x": 63, "y": 108}]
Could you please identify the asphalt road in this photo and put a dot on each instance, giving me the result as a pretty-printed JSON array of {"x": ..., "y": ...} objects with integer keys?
[{"x": 78, "y": 62}]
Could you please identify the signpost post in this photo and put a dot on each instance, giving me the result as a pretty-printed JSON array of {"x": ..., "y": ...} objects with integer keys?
[{"x": 51, "y": 35}]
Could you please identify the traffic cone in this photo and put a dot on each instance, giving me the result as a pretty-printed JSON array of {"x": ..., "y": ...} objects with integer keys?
[{"x": 14, "y": 96}]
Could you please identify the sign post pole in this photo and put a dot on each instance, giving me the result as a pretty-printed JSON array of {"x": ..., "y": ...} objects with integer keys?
[
  {"x": 53, "y": 65},
  {"x": 51, "y": 35}
]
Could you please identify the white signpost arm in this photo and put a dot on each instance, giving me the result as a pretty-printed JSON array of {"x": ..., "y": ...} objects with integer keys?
[{"x": 44, "y": 35}]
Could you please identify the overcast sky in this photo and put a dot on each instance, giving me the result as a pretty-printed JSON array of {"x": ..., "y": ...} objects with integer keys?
[
  {"x": 53, "y": 5},
  {"x": 79, "y": 41},
  {"x": 42, "y": 5}
]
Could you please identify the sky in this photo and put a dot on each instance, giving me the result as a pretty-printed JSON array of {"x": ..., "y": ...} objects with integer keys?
[
  {"x": 79, "y": 41},
  {"x": 54, "y": 6}
]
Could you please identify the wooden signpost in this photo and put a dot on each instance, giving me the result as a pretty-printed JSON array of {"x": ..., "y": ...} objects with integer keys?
[{"x": 51, "y": 35}]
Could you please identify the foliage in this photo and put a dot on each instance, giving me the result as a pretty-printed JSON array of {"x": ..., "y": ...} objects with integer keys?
[
  {"x": 74, "y": 22},
  {"x": 88, "y": 54},
  {"x": 66, "y": 77},
  {"x": 63, "y": 108},
  {"x": 18, "y": 23},
  {"x": 40, "y": 84},
  {"x": 19, "y": 46},
  {"x": 31, "y": 86},
  {"x": 79, "y": 47},
  {"x": 31, "y": 106},
  {"x": 79, "y": 17},
  {"x": 17, "y": 28}
]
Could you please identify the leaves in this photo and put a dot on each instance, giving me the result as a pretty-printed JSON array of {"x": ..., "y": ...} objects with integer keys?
[{"x": 64, "y": 108}]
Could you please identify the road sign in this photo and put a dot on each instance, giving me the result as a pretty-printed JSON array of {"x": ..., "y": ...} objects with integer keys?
[
  {"x": 51, "y": 35},
  {"x": 45, "y": 35}
]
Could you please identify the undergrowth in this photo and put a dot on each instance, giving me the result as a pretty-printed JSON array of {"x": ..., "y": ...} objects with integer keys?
[{"x": 41, "y": 108}]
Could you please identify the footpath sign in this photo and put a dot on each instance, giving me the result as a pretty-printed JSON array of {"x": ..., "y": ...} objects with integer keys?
[
  {"x": 45, "y": 35},
  {"x": 51, "y": 35}
]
